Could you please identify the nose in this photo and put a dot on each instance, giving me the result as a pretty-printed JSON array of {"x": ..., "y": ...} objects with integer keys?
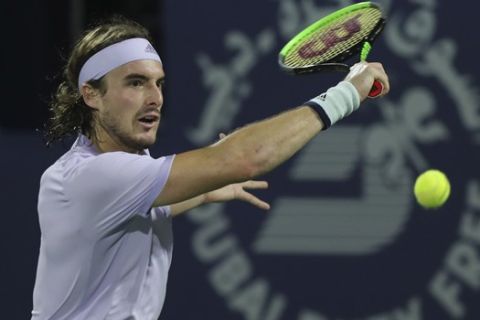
[{"x": 155, "y": 96}]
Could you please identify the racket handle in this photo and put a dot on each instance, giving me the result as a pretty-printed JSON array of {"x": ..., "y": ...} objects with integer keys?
[{"x": 376, "y": 90}]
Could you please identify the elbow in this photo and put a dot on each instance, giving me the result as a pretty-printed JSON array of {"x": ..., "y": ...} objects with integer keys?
[
  {"x": 245, "y": 162},
  {"x": 252, "y": 164},
  {"x": 242, "y": 168},
  {"x": 250, "y": 170}
]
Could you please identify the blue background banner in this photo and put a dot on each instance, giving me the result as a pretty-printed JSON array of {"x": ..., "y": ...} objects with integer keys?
[{"x": 344, "y": 239}]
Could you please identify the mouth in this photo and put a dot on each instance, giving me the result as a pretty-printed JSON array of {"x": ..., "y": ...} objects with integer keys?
[{"x": 149, "y": 121}]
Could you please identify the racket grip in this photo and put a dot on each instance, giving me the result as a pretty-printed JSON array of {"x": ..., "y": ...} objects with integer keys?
[{"x": 376, "y": 90}]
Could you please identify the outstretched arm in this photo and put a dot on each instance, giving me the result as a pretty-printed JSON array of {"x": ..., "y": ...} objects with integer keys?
[
  {"x": 241, "y": 156},
  {"x": 260, "y": 147}
]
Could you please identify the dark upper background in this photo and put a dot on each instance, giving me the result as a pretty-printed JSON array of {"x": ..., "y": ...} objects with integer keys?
[{"x": 41, "y": 33}]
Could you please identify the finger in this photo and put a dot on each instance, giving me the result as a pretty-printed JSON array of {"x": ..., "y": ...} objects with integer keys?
[
  {"x": 222, "y": 135},
  {"x": 377, "y": 65},
  {"x": 381, "y": 75},
  {"x": 357, "y": 68},
  {"x": 250, "y": 198},
  {"x": 383, "y": 79},
  {"x": 255, "y": 184}
]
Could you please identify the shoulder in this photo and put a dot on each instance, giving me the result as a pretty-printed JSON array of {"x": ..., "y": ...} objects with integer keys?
[
  {"x": 113, "y": 163},
  {"x": 68, "y": 165},
  {"x": 114, "y": 170}
]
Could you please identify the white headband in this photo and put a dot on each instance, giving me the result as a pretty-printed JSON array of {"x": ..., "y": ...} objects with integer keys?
[{"x": 114, "y": 56}]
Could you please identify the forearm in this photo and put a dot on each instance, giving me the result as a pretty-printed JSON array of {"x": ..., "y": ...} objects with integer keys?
[
  {"x": 181, "y": 207},
  {"x": 230, "y": 192},
  {"x": 275, "y": 140},
  {"x": 270, "y": 142}
]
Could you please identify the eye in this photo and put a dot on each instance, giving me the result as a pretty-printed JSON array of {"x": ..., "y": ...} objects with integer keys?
[
  {"x": 161, "y": 84},
  {"x": 136, "y": 83}
]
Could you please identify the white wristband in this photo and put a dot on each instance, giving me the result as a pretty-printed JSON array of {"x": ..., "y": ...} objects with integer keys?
[{"x": 335, "y": 104}]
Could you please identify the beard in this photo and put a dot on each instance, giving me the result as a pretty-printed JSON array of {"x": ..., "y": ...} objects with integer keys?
[{"x": 110, "y": 126}]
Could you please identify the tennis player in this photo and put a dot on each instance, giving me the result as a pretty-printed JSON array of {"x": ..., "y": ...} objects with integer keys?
[{"x": 105, "y": 207}]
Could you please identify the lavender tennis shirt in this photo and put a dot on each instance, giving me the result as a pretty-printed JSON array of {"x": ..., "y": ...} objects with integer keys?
[{"x": 104, "y": 253}]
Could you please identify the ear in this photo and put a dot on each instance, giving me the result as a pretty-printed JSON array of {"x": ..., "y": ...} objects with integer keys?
[{"x": 91, "y": 96}]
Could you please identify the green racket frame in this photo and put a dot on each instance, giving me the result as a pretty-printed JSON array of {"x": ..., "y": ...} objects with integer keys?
[{"x": 335, "y": 63}]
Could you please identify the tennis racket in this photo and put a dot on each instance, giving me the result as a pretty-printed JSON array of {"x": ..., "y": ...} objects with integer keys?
[{"x": 328, "y": 43}]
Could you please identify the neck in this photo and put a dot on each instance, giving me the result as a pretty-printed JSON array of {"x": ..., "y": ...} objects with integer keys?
[{"x": 105, "y": 142}]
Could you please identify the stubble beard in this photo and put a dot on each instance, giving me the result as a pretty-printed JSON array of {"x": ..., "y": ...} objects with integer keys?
[{"x": 122, "y": 138}]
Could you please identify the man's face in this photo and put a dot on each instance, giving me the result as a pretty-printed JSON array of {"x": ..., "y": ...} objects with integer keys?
[{"x": 129, "y": 112}]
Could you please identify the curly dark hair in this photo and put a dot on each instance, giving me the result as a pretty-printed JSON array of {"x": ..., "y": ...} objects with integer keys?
[{"x": 70, "y": 114}]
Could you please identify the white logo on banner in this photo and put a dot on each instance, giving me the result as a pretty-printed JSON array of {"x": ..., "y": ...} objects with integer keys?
[{"x": 385, "y": 151}]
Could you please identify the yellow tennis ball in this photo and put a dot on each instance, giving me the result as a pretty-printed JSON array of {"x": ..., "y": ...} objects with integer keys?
[{"x": 432, "y": 189}]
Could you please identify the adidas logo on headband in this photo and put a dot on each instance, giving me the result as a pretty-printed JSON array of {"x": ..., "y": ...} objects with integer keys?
[{"x": 150, "y": 49}]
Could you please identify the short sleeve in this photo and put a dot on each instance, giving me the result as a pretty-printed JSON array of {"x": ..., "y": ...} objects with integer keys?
[{"x": 115, "y": 186}]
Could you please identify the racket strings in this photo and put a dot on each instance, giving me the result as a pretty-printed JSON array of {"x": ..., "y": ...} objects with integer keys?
[{"x": 334, "y": 37}]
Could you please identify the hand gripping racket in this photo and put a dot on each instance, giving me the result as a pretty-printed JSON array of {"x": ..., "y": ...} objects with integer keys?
[{"x": 328, "y": 43}]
